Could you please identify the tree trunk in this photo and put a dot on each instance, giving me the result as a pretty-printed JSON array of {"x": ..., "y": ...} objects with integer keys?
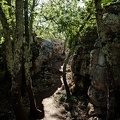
[
  {"x": 8, "y": 44},
  {"x": 31, "y": 17},
  {"x": 16, "y": 98},
  {"x": 11, "y": 22},
  {"x": 99, "y": 15},
  {"x": 15, "y": 71},
  {"x": 71, "y": 52},
  {"x": 18, "y": 53},
  {"x": 64, "y": 74},
  {"x": 34, "y": 112}
]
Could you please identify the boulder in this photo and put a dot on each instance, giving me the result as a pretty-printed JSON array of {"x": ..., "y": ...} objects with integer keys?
[
  {"x": 98, "y": 97},
  {"x": 42, "y": 51}
]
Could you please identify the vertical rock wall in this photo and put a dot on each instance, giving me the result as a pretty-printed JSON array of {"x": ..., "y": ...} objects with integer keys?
[
  {"x": 80, "y": 63},
  {"x": 105, "y": 64}
]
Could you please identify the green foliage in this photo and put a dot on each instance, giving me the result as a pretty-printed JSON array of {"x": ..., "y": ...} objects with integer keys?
[
  {"x": 63, "y": 19},
  {"x": 56, "y": 18},
  {"x": 9, "y": 10},
  {"x": 107, "y": 2}
]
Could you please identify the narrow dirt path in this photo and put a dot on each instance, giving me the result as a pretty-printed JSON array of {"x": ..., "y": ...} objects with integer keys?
[
  {"x": 50, "y": 90},
  {"x": 52, "y": 100},
  {"x": 53, "y": 110}
]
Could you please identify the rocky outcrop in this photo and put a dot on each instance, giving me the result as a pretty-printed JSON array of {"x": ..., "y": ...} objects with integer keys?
[
  {"x": 42, "y": 52},
  {"x": 105, "y": 66},
  {"x": 80, "y": 63},
  {"x": 103, "y": 63},
  {"x": 97, "y": 72},
  {"x": 58, "y": 46}
]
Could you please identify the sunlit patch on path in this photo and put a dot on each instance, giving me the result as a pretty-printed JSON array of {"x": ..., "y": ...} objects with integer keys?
[{"x": 53, "y": 111}]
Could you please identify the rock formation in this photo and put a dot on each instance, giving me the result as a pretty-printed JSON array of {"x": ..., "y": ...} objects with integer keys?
[
  {"x": 80, "y": 63},
  {"x": 42, "y": 52},
  {"x": 104, "y": 65}
]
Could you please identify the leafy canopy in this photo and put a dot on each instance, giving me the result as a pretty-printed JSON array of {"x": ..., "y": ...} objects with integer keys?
[{"x": 62, "y": 18}]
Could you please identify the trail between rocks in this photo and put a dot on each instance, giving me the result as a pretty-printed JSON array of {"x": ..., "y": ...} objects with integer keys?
[{"x": 53, "y": 109}]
